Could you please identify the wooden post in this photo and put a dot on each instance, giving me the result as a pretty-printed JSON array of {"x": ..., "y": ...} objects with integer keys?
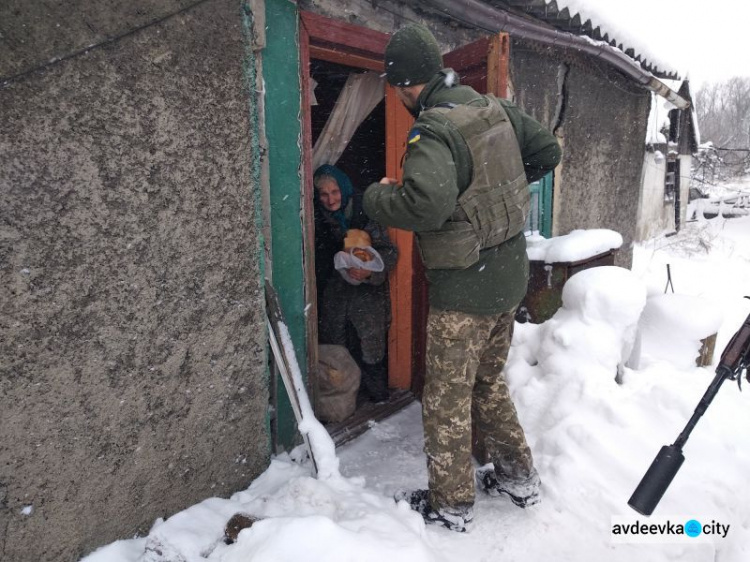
[{"x": 401, "y": 334}]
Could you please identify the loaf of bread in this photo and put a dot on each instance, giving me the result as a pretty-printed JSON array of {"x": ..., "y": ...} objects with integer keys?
[{"x": 356, "y": 238}]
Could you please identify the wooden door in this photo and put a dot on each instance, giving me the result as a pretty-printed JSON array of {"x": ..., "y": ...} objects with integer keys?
[
  {"x": 483, "y": 64},
  {"x": 402, "y": 336}
]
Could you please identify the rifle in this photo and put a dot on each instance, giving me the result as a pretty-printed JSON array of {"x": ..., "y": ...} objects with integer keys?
[{"x": 734, "y": 360}]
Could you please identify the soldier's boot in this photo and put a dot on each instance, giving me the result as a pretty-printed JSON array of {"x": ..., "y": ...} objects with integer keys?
[
  {"x": 375, "y": 380},
  {"x": 523, "y": 492},
  {"x": 454, "y": 519}
]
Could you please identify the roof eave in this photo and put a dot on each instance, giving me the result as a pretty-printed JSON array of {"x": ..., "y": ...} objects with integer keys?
[{"x": 484, "y": 16}]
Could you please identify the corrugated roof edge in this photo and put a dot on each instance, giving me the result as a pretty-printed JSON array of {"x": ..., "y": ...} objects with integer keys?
[
  {"x": 550, "y": 11},
  {"x": 482, "y": 15}
]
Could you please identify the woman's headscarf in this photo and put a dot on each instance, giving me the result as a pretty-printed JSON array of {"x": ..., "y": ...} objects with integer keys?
[{"x": 346, "y": 188}]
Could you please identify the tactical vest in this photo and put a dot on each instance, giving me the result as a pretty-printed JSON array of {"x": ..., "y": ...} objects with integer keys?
[{"x": 494, "y": 207}]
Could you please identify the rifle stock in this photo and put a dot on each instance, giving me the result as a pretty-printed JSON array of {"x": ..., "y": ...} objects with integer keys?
[{"x": 737, "y": 352}]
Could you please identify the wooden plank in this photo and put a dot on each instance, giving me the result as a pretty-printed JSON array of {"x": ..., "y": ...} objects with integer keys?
[
  {"x": 359, "y": 422},
  {"x": 308, "y": 221},
  {"x": 358, "y": 39},
  {"x": 498, "y": 65},
  {"x": 401, "y": 333},
  {"x": 340, "y": 57},
  {"x": 494, "y": 72},
  {"x": 398, "y": 121}
]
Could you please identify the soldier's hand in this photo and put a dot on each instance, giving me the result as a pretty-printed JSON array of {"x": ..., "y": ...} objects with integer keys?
[{"x": 389, "y": 181}]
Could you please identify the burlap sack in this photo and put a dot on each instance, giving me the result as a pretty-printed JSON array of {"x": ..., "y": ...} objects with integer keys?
[{"x": 338, "y": 382}]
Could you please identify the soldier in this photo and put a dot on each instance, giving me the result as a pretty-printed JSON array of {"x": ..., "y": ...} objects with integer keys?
[{"x": 465, "y": 195}]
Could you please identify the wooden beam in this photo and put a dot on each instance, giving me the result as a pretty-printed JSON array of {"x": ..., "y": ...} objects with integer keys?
[
  {"x": 359, "y": 422},
  {"x": 325, "y": 30},
  {"x": 497, "y": 65},
  {"x": 340, "y": 57},
  {"x": 308, "y": 221},
  {"x": 401, "y": 279}
]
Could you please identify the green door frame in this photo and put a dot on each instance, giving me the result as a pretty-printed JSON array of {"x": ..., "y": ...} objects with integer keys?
[{"x": 281, "y": 73}]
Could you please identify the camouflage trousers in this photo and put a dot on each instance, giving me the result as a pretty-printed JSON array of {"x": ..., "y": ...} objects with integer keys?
[{"x": 466, "y": 354}]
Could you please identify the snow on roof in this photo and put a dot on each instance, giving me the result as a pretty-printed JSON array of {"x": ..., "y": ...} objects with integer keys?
[{"x": 607, "y": 16}]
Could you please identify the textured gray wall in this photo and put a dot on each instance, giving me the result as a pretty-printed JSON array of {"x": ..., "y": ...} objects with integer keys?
[
  {"x": 132, "y": 353},
  {"x": 387, "y": 16},
  {"x": 603, "y": 135}
]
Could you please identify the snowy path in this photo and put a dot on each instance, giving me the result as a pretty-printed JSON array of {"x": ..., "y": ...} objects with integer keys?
[{"x": 592, "y": 440}]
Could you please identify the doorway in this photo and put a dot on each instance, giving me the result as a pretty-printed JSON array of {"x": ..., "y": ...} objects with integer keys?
[
  {"x": 347, "y": 130},
  {"x": 331, "y": 51}
]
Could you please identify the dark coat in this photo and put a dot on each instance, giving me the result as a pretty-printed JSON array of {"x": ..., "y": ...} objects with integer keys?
[
  {"x": 366, "y": 307},
  {"x": 437, "y": 168}
]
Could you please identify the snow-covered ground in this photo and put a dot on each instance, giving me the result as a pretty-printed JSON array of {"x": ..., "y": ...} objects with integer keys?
[
  {"x": 592, "y": 439},
  {"x": 728, "y": 199}
]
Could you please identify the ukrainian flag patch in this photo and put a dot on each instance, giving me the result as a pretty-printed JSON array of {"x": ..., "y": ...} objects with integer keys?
[{"x": 414, "y": 136}]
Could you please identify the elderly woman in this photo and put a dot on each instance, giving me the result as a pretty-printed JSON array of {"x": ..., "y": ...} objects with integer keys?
[{"x": 355, "y": 316}]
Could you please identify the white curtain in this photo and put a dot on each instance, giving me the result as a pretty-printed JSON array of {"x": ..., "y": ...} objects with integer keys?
[{"x": 360, "y": 95}]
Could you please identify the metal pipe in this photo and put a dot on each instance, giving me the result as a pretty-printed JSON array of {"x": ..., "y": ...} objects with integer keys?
[{"x": 481, "y": 15}]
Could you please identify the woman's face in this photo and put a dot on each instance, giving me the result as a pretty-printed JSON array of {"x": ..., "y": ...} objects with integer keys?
[{"x": 329, "y": 195}]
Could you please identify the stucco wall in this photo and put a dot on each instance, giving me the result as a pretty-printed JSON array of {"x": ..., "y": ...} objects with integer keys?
[
  {"x": 132, "y": 352},
  {"x": 603, "y": 130},
  {"x": 387, "y": 16}
]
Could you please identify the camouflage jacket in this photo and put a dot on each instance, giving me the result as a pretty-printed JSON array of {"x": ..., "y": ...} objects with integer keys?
[{"x": 437, "y": 169}]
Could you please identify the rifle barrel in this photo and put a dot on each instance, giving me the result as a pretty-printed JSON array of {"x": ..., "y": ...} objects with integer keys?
[{"x": 722, "y": 373}]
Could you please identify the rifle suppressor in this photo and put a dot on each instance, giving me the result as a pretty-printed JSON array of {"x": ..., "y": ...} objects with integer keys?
[{"x": 657, "y": 479}]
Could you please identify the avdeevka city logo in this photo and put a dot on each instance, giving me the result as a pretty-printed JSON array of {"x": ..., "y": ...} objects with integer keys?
[
  {"x": 665, "y": 529},
  {"x": 693, "y": 528}
]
